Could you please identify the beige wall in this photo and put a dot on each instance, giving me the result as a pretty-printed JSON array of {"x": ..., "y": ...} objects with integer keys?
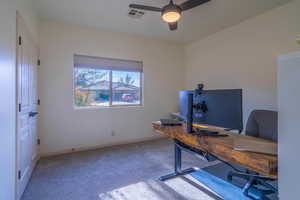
[
  {"x": 244, "y": 56},
  {"x": 62, "y": 127},
  {"x": 28, "y": 12}
]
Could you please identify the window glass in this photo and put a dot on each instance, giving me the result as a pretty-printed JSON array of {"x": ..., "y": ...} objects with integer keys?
[
  {"x": 92, "y": 87},
  {"x": 126, "y": 88}
]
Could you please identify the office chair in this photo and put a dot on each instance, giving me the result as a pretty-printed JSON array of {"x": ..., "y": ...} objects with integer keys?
[{"x": 262, "y": 124}]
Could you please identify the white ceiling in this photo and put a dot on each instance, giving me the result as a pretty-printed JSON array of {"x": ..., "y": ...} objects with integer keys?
[{"x": 195, "y": 24}]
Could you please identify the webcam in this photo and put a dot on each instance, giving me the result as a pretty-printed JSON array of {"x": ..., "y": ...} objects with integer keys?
[{"x": 199, "y": 89}]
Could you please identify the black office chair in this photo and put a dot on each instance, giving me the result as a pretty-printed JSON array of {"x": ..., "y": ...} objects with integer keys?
[{"x": 262, "y": 124}]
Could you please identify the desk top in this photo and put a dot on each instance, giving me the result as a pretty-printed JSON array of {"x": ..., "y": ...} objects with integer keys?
[{"x": 223, "y": 147}]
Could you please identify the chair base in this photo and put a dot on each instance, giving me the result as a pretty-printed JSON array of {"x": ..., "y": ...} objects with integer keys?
[
  {"x": 253, "y": 180},
  {"x": 227, "y": 190}
]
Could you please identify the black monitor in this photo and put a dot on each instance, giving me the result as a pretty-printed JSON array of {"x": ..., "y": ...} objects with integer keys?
[{"x": 224, "y": 108}]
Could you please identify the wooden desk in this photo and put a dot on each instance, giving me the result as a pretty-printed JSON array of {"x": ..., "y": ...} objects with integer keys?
[{"x": 222, "y": 147}]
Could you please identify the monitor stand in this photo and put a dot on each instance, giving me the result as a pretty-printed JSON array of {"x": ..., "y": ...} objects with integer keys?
[{"x": 189, "y": 122}]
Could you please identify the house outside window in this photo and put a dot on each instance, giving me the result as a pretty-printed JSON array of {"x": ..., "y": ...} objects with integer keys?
[{"x": 105, "y": 82}]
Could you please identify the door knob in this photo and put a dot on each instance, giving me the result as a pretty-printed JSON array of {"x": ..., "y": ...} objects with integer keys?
[{"x": 32, "y": 114}]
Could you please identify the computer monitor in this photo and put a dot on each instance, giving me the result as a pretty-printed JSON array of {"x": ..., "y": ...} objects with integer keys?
[{"x": 224, "y": 108}]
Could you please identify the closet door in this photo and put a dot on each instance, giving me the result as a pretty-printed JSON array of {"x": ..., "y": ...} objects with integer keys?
[
  {"x": 27, "y": 57},
  {"x": 288, "y": 77}
]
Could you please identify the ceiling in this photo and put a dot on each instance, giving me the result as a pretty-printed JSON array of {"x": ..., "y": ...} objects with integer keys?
[{"x": 195, "y": 24}]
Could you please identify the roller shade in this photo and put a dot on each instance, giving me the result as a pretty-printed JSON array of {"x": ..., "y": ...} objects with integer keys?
[{"x": 107, "y": 63}]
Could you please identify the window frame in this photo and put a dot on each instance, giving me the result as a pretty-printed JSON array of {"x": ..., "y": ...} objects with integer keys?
[{"x": 110, "y": 103}]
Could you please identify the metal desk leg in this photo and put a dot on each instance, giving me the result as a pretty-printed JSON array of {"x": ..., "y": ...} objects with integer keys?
[
  {"x": 248, "y": 185},
  {"x": 177, "y": 168}
]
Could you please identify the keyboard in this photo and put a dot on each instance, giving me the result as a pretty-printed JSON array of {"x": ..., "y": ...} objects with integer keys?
[{"x": 170, "y": 122}]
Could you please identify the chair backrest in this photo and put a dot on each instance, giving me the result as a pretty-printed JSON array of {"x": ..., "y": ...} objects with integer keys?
[{"x": 263, "y": 124}]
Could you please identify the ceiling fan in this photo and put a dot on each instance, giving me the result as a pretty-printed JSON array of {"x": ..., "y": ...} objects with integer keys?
[{"x": 171, "y": 13}]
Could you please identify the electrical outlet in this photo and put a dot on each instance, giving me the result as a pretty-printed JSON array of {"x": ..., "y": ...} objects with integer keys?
[{"x": 113, "y": 133}]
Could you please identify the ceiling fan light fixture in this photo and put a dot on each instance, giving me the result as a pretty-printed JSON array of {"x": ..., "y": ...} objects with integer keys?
[
  {"x": 171, "y": 16},
  {"x": 171, "y": 13}
]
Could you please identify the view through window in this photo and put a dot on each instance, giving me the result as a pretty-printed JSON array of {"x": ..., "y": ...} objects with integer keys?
[{"x": 104, "y": 86}]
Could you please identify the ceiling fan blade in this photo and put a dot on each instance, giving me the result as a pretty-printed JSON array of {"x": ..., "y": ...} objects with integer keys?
[
  {"x": 192, "y": 4},
  {"x": 173, "y": 26},
  {"x": 142, "y": 7}
]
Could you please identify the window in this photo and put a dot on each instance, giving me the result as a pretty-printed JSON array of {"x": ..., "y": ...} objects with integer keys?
[{"x": 106, "y": 82}]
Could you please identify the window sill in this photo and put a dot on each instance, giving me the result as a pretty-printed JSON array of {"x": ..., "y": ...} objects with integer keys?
[{"x": 108, "y": 107}]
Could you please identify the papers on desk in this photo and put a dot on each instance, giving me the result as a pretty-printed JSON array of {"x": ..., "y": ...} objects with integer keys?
[{"x": 257, "y": 146}]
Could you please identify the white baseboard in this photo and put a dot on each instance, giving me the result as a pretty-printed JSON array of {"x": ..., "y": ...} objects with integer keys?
[{"x": 66, "y": 151}]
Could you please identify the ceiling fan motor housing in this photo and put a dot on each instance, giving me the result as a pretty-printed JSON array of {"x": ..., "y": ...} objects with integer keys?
[{"x": 171, "y": 7}]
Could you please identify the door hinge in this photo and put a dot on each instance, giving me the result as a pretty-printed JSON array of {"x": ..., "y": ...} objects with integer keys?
[
  {"x": 19, "y": 174},
  {"x": 38, "y": 141},
  {"x": 39, "y": 62},
  {"x": 20, "y": 40},
  {"x": 39, "y": 102},
  {"x": 20, "y": 107}
]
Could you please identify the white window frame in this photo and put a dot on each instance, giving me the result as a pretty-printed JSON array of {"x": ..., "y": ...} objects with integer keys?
[{"x": 111, "y": 105}]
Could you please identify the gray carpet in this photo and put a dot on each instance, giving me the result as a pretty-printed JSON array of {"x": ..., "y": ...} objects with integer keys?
[{"x": 127, "y": 172}]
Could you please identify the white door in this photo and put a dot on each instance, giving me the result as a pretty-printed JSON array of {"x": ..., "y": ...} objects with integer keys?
[
  {"x": 288, "y": 78},
  {"x": 27, "y": 137}
]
